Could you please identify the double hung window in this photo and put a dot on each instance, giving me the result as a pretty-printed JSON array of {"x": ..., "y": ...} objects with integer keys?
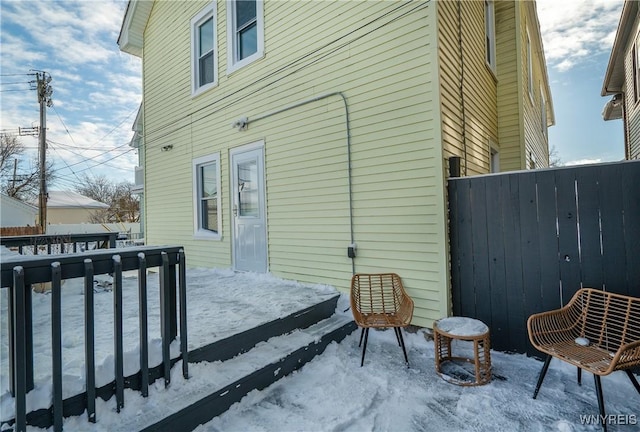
[
  {"x": 206, "y": 186},
  {"x": 203, "y": 50},
  {"x": 245, "y": 32},
  {"x": 490, "y": 33}
]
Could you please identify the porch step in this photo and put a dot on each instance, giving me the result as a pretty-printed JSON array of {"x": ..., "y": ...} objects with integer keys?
[
  {"x": 242, "y": 342},
  {"x": 256, "y": 369}
]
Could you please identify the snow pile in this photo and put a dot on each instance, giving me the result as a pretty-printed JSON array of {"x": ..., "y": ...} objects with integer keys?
[{"x": 330, "y": 393}]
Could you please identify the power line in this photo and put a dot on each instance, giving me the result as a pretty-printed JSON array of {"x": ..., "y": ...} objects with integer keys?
[{"x": 282, "y": 69}]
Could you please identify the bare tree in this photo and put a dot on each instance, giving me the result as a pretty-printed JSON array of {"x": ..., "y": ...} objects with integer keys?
[
  {"x": 17, "y": 182},
  {"x": 554, "y": 158},
  {"x": 124, "y": 206}
]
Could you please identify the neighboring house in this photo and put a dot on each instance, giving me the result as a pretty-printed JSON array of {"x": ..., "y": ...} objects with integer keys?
[
  {"x": 280, "y": 136},
  {"x": 622, "y": 79},
  {"x": 137, "y": 142},
  {"x": 15, "y": 213},
  {"x": 67, "y": 207}
]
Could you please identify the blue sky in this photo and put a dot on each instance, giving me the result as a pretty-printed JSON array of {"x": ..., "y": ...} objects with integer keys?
[{"x": 97, "y": 89}]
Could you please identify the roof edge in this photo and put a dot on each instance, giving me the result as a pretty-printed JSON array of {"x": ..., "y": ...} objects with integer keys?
[
  {"x": 629, "y": 12},
  {"x": 131, "y": 37}
]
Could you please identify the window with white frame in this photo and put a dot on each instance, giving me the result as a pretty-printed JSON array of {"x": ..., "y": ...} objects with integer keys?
[
  {"x": 245, "y": 32},
  {"x": 494, "y": 161},
  {"x": 204, "y": 62},
  {"x": 490, "y": 33},
  {"x": 529, "y": 67},
  {"x": 206, "y": 191}
]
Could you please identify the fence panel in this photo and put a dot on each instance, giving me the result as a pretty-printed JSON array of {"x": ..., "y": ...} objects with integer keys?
[{"x": 525, "y": 242}]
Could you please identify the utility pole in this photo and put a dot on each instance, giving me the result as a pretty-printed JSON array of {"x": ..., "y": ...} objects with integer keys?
[{"x": 44, "y": 99}]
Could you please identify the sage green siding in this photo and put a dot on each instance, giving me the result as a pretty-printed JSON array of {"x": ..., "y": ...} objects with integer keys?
[
  {"x": 632, "y": 102},
  {"x": 510, "y": 99},
  {"x": 535, "y": 140},
  {"x": 383, "y": 57},
  {"x": 467, "y": 126}
]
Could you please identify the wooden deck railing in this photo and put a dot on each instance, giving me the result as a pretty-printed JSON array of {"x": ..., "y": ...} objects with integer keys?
[
  {"x": 59, "y": 243},
  {"x": 20, "y": 272}
]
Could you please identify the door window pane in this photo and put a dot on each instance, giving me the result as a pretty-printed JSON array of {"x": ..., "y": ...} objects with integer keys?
[{"x": 248, "y": 189}]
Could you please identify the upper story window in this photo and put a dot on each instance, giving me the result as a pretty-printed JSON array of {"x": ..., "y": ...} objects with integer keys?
[
  {"x": 206, "y": 191},
  {"x": 204, "y": 62},
  {"x": 490, "y": 33},
  {"x": 529, "y": 67},
  {"x": 245, "y": 32}
]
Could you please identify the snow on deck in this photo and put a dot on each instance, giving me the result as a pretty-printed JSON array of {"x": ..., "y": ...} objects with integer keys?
[{"x": 220, "y": 303}]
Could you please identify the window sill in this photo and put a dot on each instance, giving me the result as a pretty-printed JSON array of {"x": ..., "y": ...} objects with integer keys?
[
  {"x": 232, "y": 67},
  {"x": 206, "y": 235},
  {"x": 203, "y": 89},
  {"x": 492, "y": 70}
]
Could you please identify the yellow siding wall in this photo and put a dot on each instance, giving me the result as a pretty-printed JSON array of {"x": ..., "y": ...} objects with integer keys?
[
  {"x": 510, "y": 125},
  {"x": 383, "y": 59},
  {"x": 480, "y": 92},
  {"x": 632, "y": 106},
  {"x": 536, "y": 141}
]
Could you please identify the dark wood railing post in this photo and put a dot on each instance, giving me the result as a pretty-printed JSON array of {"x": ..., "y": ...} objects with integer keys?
[
  {"x": 182, "y": 284},
  {"x": 165, "y": 316},
  {"x": 56, "y": 343},
  {"x": 20, "y": 349},
  {"x": 25, "y": 293},
  {"x": 89, "y": 341},
  {"x": 117, "y": 331},
  {"x": 144, "y": 334}
]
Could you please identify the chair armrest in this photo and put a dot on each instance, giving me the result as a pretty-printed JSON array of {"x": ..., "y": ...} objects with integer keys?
[
  {"x": 627, "y": 356},
  {"x": 548, "y": 327},
  {"x": 405, "y": 309}
]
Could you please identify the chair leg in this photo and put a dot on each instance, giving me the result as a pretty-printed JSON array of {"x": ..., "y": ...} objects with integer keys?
[
  {"x": 364, "y": 349},
  {"x": 543, "y": 372},
  {"x": 397, "y": 331},
  {"x": 579, "y": 376},
  {"x": 404, "y": 349},
  {"x": 633, "y": 379},
  {"x": 361, "y": 335},
  {"x": 600, "y": 400}
]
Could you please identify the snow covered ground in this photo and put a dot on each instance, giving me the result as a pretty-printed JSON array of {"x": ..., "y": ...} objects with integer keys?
[{"x": 332, "y": 392}]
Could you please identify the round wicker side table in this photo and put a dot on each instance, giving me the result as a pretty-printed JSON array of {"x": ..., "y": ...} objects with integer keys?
[{"x": 446, "y": 330}]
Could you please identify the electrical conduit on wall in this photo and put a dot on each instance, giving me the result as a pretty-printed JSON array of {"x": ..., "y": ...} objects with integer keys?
[{"x": 243, "y": 123}]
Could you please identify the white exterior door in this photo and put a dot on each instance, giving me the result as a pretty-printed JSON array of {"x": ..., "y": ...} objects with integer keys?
[{"x": 249, "y": 209}]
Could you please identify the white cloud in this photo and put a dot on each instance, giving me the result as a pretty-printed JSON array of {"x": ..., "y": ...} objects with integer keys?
[
  {"x": 583, "y": 161},
  {"x": 575, "y": 30},
  {"x": 96, "y": 88}
]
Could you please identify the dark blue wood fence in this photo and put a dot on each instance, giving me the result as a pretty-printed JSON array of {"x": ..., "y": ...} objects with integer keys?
[{"x": 525, "y": 242}]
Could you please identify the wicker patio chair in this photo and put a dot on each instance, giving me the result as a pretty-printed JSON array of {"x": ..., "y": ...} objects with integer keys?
[
  {"x": 596, "y": 331},
  {"x": 380, "y": 301}
]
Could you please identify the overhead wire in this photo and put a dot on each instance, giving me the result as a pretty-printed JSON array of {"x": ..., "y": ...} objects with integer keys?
[{"x": 321, "y": 56}]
